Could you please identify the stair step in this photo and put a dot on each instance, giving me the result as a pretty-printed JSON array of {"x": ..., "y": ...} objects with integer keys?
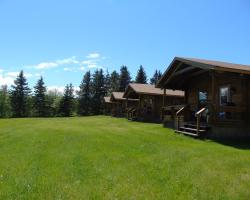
[
  {"x": 187, "y": 133},
  {"x": 192, "y": 129},
  {"x": 194, "y": 125}
]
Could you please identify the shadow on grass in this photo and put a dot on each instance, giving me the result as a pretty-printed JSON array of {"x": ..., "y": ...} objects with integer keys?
[{"x": 243, "y": 144}]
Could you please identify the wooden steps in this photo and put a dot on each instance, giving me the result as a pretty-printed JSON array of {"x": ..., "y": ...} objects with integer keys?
[
  {"x": 191, "y": 130},
  {"x": 187, "y": 133}
]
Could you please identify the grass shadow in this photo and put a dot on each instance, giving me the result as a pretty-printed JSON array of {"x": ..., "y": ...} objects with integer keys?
[{"x": 243, "y": 144}]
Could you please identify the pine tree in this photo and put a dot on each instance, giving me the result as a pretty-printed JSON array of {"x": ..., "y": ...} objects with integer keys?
[
  {"x": 40, "y": 104},
  {"x": 5, "y": 109},
  {"x": 124, "y": 78},
  {"x": 98, "y": 91},
  {"x": 156, "y": 77},
  {"x": 67, "y": 102},
  {"x": 19, "y": 96},
  {"x": 114, "y": 82},
  {"x": 107, "y": 84},
  {"x": 141, "y": 76},
  {"x": 84, "y": 95}
]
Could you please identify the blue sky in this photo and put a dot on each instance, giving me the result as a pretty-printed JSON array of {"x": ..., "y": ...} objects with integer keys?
[{"x": 61, "y": 40}]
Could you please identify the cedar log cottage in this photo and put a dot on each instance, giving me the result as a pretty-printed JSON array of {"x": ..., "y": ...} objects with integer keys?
[
  {"x": 107, "y": 106},
  {"x": 151, "y": 100},
  {"x": 217, "y": 97},
  {"x": 119, "y": 104}
]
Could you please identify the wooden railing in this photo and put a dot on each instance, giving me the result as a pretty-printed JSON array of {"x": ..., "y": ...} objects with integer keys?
[
  {"x": 198, "y": 117},
  {"x": 178, "y": 113}
]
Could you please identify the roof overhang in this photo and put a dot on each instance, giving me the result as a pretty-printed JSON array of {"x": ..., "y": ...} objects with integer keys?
[{"x": 182, "y": 69}]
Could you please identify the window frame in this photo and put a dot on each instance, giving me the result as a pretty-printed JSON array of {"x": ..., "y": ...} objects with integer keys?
[{"x": 228, "y": 94}]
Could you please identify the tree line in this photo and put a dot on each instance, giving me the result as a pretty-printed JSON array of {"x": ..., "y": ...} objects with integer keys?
[{"x": 21, "y": 101}]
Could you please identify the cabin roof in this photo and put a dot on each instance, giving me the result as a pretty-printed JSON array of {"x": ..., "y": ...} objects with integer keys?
[
  {"x": 150, "y": 90},
  {"x": 187, "y": 66},
  {"x": 219, "y": 64},
  {"x": 107, "y": 100},
  {"x": 117, "y": 96}
]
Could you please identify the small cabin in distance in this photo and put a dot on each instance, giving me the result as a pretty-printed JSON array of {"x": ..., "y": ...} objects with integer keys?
[
  {"x": 150, "y": 101},
  {"x": 120, "y": 104},
  {"x": 107, "y": 106},
  {"x": 217, "y": 97}
]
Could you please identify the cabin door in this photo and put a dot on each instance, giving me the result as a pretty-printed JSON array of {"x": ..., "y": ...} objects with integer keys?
[{"x": 202, "y": 101}]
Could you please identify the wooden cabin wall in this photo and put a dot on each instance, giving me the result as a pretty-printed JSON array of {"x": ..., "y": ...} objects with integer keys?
[
  {"x": 204, "y": 83},
  {"x": 248, "y": 99},
  {"x": 201, "y": 83},
  {"x": 158, "y": 106},
  {"x": 157, "y": 102}
]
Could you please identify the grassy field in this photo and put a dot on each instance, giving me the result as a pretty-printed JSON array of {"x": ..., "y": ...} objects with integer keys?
[{"x": 108, "y": 158}]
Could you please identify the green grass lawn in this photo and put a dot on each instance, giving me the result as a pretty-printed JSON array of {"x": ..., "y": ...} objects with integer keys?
[{"x": 109, "y": 158}]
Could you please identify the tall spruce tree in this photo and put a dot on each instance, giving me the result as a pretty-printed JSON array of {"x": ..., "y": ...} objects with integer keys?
[
  {"x": 67, "y": 102},
  {"x": 107, "y": 83},
  {"x": 124, "y": 78},
  {"x": 19, "y": 96},
  {"x": 84, "y": 95},
  {"x": 114, "y": 82},
  {"x": 40, "y": 105},
  {"x": 141, "y": 76},
  {"x": 156, "y": 77},
  {"x": 98, "y": 91}
]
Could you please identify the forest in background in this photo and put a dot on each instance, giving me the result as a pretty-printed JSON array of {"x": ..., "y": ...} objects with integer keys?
[{"x": 21, "y": 101}]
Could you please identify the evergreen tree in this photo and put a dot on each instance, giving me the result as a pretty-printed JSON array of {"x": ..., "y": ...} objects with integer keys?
[
  {"x": 141, "y": 76},
  {"x": 114, "y": 82},
  {"x": 124, "y": 78},
  {"x": 107, "y": 84},
  {"x": 67, "y": 102},
  {"x": 98, "y": 91},
  {"x": 156, "y": 77},
  {"x": 40, "y": 106},
  {"x": 84, "y": 95},
  {"x": 5, "y": 109},
  {"x": 19, "y": 96}
]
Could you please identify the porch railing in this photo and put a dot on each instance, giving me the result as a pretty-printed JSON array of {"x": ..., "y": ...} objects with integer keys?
[
  {"x": 178, "y": 113},
  {"x": 198, "y": 118}
]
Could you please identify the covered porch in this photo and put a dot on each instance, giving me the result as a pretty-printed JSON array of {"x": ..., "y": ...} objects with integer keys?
[{"x": 216, "y": 98}]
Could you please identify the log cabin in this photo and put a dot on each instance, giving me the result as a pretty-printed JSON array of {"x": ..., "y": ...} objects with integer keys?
[
  {"x": 217, "y": 97},
  {"x": 120, "y": 104},
  {"x": 107, "y": 106},
  {"x": 151, "y": 100}
]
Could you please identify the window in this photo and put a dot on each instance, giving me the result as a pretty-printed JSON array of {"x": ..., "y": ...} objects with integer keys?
[
  {"x": 224, "y": 95},
  {"x": 202, "y": 96}
]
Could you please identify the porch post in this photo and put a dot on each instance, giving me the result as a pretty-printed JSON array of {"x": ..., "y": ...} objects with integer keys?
[
  {"x": 163, "y": 104},
  {"x": 164, "y": 97},
  {"x": 214, "y": 95}
]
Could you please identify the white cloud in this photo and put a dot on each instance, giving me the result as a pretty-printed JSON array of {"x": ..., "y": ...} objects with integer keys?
[
  {"x": 93, "y": 55},
  {"x": 12, "y": 74},
  {"x": 57, "y": 88},
  {"x": 28, "y": 75},
  {"x": 82, "y": 68},
  {"x": 71, "y": 60},
  {"x": 53, "y": 64},
  {"x": 6, "y": 80},
  {"x": 38, "y": 74},
  {"x": 87, "y": 62},
  {"x": 46, "y": 65},
  {"x": 93, "y": 65},
  {"x": 60, "y": 89},
  {"x": 67, "y": 69}
]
